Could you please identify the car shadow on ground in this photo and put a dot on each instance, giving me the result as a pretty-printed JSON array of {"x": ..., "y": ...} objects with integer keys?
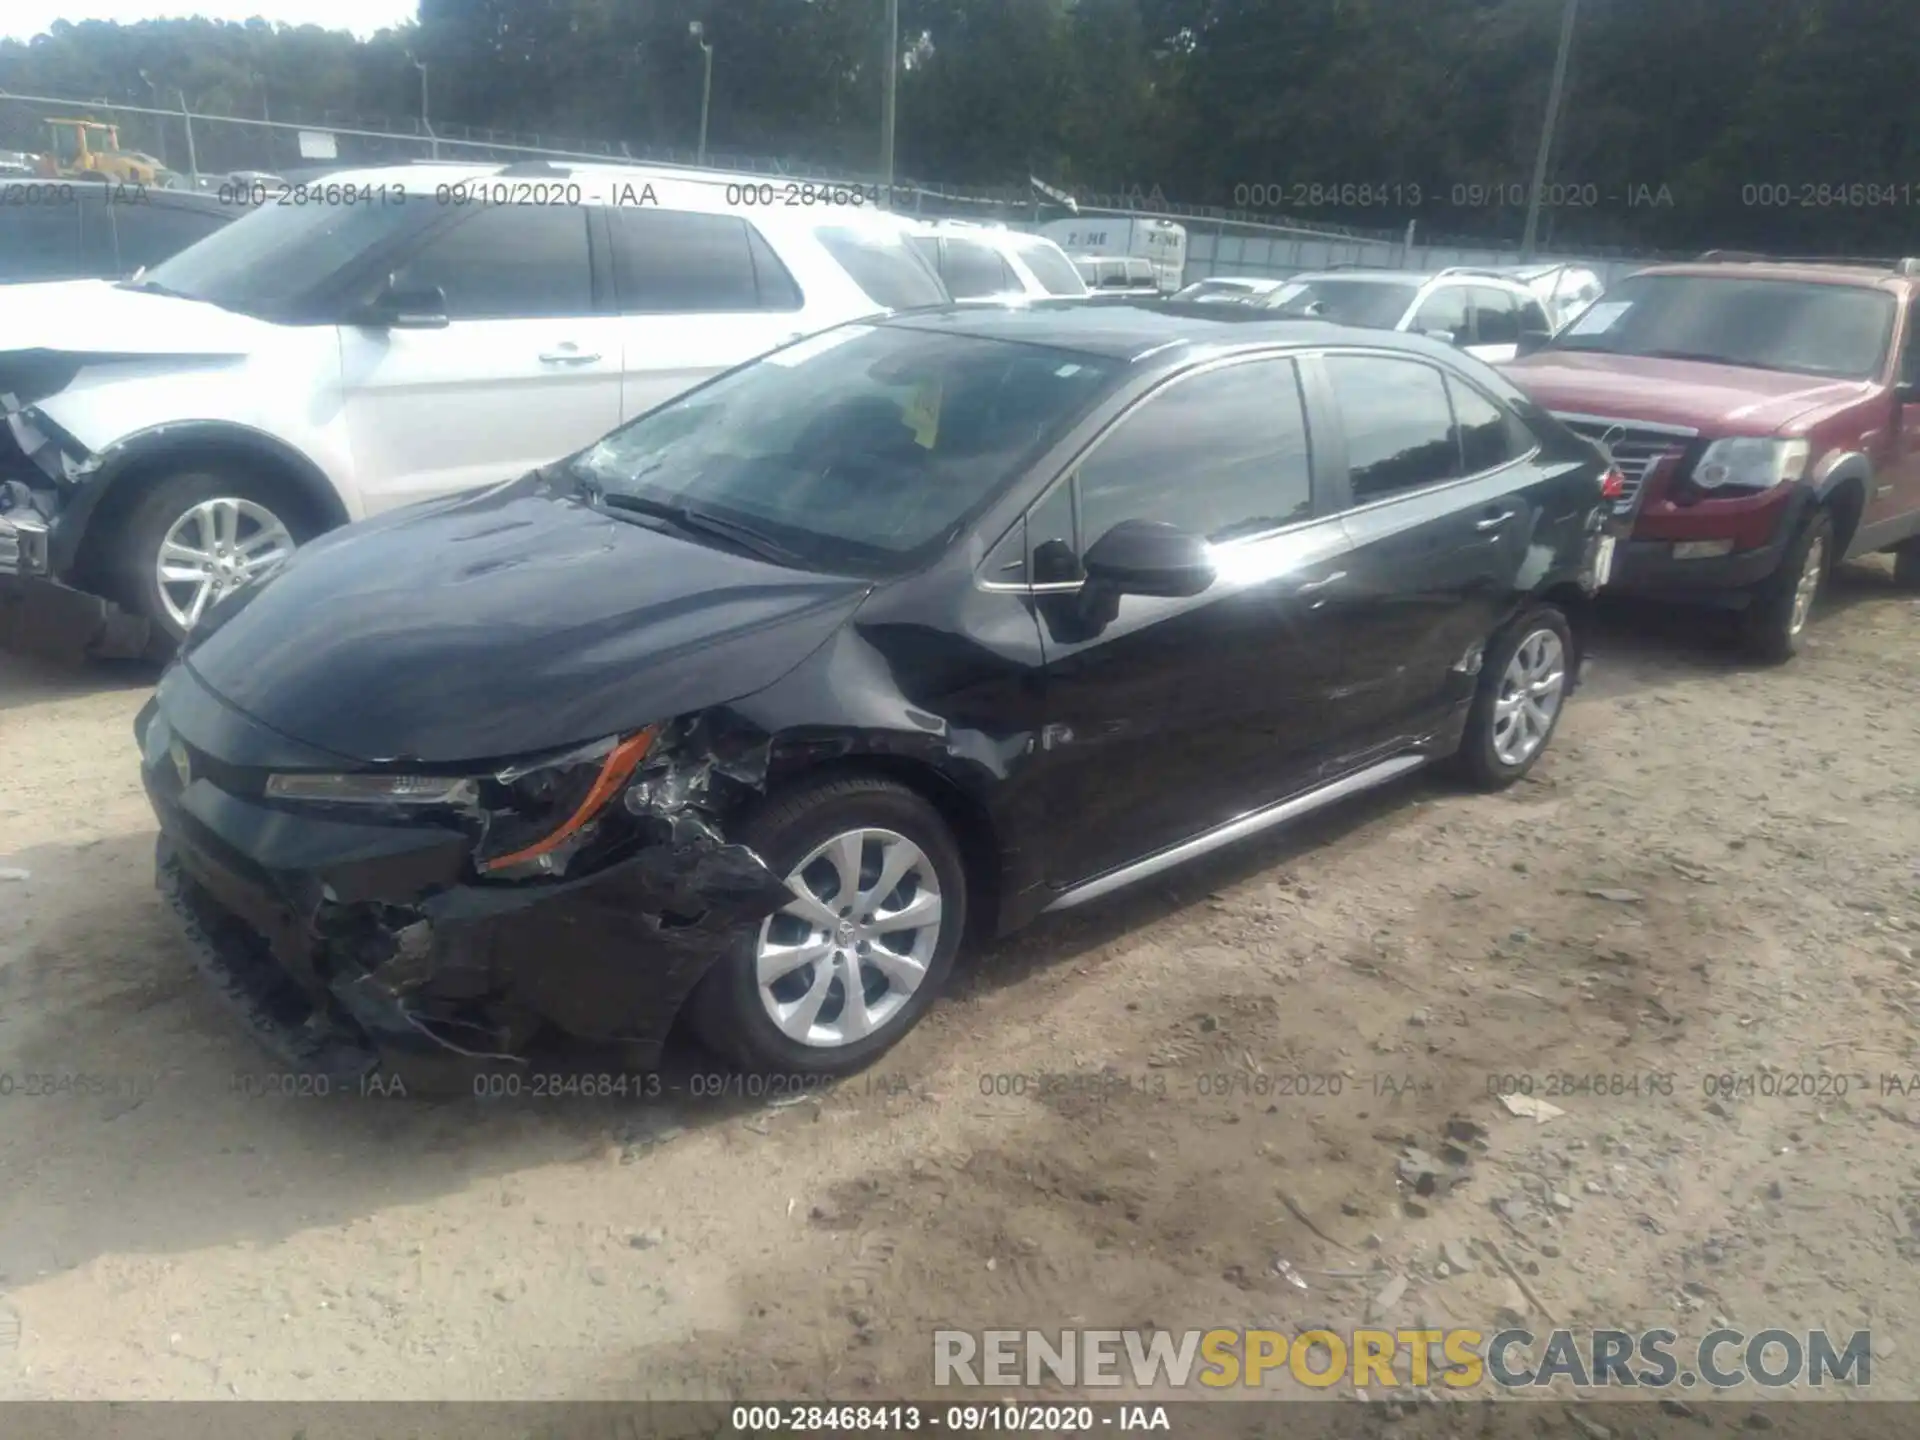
[{"x": 34, "y": 679}]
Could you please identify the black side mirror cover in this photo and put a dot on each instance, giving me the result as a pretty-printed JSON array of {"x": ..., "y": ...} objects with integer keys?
[{"x": 1150, "y": 557}]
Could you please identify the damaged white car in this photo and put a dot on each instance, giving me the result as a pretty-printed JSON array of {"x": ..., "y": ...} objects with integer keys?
[{"x": 386, "y": 337}]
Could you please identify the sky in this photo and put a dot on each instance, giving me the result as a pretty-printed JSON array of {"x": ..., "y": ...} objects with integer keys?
[{"x": 23, "y": 19}]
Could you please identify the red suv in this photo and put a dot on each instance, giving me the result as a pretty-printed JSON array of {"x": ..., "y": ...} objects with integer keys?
[{"x": 1766, "y": 415}]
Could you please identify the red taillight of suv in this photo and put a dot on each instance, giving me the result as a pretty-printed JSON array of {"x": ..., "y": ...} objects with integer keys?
[{"x": 1613, "y": 485}]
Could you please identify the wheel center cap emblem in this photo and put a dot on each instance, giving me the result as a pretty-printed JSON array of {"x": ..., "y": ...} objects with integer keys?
[{"x": 846, "y": 932}]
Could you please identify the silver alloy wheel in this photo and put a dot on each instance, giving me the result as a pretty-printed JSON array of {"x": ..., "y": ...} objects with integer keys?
[
  {"x": 840, "y": 961},
  {"x": 1808, "y": 585},
  {"x": 1529, "y": 698},
  {"x": 216, "y": 547}
]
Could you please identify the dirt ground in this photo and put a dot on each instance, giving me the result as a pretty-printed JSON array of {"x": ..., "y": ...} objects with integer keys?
[{"x": 1715, "y": 873}]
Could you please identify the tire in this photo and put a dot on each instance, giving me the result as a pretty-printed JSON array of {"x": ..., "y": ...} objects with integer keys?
[
  {"x": 169, "y": 502},
  {"x": 1774, "y": 627},
  {"x": 1906, "y": 565},
  {"x": 735, "y": 1016},
  {"x": 1492, "y": 755}
]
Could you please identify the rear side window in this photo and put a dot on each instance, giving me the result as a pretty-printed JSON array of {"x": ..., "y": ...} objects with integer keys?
[
  {"x": 676, "y": 261},
  {"x": 1398, "y": 423},
  {"x": 1052, "y": 269},
  {"x": 150, "y": 233},
  {"x": 39, "y": 242},
  {"x": 1498, "y": 319},
  {"x": 885, "y": 267},
  {"x": 1488, "y": 436},
  {"x": 1221, "y": 454},
  {"x": 509, "y": 262},
  {"x": 1445, "y": 309},
  {"x": 973, "y": 271}
]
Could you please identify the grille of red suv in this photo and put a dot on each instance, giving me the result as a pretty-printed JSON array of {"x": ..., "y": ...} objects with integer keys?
[{"x": 1634, "y": 451}]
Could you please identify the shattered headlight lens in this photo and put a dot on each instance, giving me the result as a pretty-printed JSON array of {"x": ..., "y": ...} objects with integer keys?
[
  {"x": 1750, "y": 463},
  {"x": 374, "y": 789},
  {"x": 543, "y": 812}
]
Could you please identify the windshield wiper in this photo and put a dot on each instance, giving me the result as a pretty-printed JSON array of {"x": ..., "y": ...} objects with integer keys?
[{"x": 702, "y": 522}]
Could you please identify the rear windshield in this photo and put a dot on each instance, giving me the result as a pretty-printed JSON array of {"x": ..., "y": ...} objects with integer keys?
[
  {"x": 1795, "y": 325},
  {"x": 1375, "y": 304},
  {"x": 891, "y": 272},
  {"x": 1050, "y": 267}
]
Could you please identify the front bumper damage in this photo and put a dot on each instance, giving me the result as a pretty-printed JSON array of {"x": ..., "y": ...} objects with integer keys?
[{"x": 351, "y": 947}]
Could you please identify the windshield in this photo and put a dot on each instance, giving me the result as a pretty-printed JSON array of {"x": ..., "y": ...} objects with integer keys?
[
  {"x": 1375, "y": 304},
  {"x": 862, "y": 450},
  {"x": 1051, "y": 268},
  {"x": 266, "y": 260},
  {"x": 1794, "y": 325}
]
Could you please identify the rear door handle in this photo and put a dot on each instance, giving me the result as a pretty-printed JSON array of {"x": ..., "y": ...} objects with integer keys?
[
  {"x": 568, "y": 354},
  {"x": 1493, "y": 522},
  {"x": 1316, "y": 585}
]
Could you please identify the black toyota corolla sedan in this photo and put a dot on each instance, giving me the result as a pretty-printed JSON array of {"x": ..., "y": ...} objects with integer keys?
[{"x": 907, "y": 632}]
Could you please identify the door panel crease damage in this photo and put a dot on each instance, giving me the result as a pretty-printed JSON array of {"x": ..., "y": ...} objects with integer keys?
[{"x": 469, "y": 969}]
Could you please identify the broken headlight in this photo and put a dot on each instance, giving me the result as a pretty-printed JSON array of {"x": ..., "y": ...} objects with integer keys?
[
  {"x": 535, "y": 816},
  {"x": 542, "y": 813}
]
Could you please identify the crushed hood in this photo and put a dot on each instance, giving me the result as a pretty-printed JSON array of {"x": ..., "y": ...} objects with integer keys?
[
  {"x": 1713, "y": 399},
  {"x": 505, "y": 623},
  {"x": 102, "y": 317}
]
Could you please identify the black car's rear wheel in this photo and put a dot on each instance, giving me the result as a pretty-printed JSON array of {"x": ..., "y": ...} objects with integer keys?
[
  {"x": 1525, "y": 676},
  {"x": 837, "y": 976}
]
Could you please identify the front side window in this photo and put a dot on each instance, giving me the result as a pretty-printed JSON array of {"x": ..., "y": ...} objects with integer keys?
[
  {"x": 1398, "y": 424},
  {"x": 1800, "y": 326},
  {"x": 887, "y": 270},
  {"x": 863, "y": 450},
  {"x": 508, "y": 262},
  {"x": 1221, "y": 454},
  {"x": 1498, "y": 319}
]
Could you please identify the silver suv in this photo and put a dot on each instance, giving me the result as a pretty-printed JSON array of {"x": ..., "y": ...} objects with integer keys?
[{"x": 1489, "y": 315}]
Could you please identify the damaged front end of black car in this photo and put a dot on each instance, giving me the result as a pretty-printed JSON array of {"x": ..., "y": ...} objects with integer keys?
[{"x": 435, "y": 924}]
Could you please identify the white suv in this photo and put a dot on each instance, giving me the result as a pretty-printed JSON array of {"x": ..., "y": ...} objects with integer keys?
[
  {"x": 992, "y": 264},
  {"x": 389, "y": 336},
  {"x": 1489, "y": 315}
]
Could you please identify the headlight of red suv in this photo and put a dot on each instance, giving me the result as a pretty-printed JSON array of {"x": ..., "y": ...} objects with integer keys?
[{"x": 1750, "y": 463}]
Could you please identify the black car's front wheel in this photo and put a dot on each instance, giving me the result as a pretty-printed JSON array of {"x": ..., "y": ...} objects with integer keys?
[
  {"x": 1524, "y": 679},
  {"x": 835, "y": 977}
]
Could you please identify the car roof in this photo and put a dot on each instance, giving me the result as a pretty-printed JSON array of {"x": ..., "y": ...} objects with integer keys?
[
  {"x": 1863, "y": 275},
  {"x": 1134, "y": 330}
]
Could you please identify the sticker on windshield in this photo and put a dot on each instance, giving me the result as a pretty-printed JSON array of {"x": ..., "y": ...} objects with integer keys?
[
  {"x": 804, "y": 350},
  {"x": 1597, "y": 318},
  {"x": 922, "y": 415}
]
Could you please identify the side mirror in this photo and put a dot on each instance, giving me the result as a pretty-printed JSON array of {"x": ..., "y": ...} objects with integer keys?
[
  {"x": 421, "y": 307},
  {"x": 1150, "y": 557},
  {"x": 1907, "y": 392},
  {"x": 1530, "y": 341}
]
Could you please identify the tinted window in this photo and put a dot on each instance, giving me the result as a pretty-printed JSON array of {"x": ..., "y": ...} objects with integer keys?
[
  {"x": 1499, "y": 321},
  {"x": 1489, "y": 437},
  {"x": 883, "y": 266},
  {"x": 1050, "y": 537},
  {"x": 863, "y": 450},
  {"x": 150, "y": 233},
  {"x": 1533, "y": 319},
  {"x": 1793, "y": 325},
  {"x": 972, "y": 270},
  {"x": 673, "y": 261},
  {"x": 1222, "y": 454},
  {"x": 1051, "y": 268},
  {"x": 1445, "y": 309},
  {"x": 506, "y": 262},
  {"x": 1398, "y": 423},
  {"x": 39, "y": 242}
]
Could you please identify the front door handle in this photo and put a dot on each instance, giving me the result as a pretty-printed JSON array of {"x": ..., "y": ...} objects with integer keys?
[
  {"x": 1315, "y": 585},
  {"x": 1493, "y": 522},
  {"x": 567, "y": 355}
]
